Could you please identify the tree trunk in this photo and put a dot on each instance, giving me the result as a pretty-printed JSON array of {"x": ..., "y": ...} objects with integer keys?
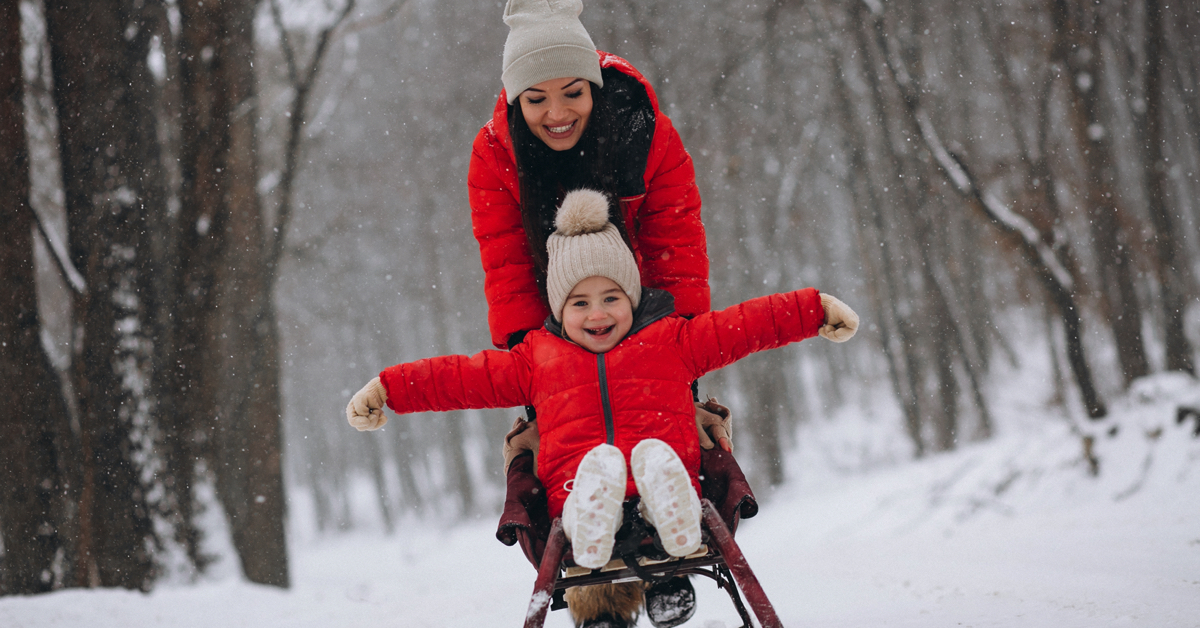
[
  {"x": 1079, "y": 51},
  {"x": 206, "y": 111},
  {"x": 765, "y": 387},
  {"x": 248, "y": 441},
  {"x": 404, "y": 449},
  {"x": 877, "y": 246},
  {"x": 453, "y": 434},
  {"x": 106, "y": 141},
  {"x": 907, "y": 306},
  {"x": 34, "y": 411},
  {"x": 1169, "y": 255},
  {"x": 375, "y": 466},
  {"x": 1041, "y": 181}
]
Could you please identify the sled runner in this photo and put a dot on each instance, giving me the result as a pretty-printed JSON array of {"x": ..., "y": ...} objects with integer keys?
[{"x": 726, "y": 498}]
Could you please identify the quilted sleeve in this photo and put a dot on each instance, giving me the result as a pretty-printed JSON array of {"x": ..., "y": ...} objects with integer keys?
[
  {"x": 717, "y": 339},
  {"x": 488, "y": 379},
  {"x": 669, "y": 232},
  {"x": 514, "y": 302}
]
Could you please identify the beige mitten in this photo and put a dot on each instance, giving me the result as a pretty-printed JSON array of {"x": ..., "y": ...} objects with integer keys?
[
  {"x": 521, "y": 438},
  {"x": 365, "y": 411},
  {"x": 715, "y": 423},
  {"x": 840, "y": 321}
]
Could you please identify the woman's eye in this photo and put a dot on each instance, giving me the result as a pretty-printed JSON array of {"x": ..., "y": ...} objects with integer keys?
[
  {"x": 536, "y": 101},
  {"x": 575, "y": 94}
]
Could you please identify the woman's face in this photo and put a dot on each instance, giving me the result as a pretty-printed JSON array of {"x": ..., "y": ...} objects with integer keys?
[{"x": 557, "y": 110}]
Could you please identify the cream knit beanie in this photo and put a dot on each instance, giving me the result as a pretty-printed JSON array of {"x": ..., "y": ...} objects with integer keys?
[
  {"x": 546, "y": 41},
  {"x": 585, "y": 244}
]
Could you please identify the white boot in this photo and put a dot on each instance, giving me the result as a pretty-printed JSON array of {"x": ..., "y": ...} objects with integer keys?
[
  {"x": 669, "y": 502},
  {"x": 593, "y": 511}
]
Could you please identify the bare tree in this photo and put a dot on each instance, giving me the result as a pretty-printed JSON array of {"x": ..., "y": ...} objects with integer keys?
[
  {"x": 33, "y": 419},
  {"x": 199, "y": 233},
  {"x": 246, "y": 435},
  {"x": 1078, "y": 30},
  {"x": 110, "y": 173},
  {"x": 301, "y": 80},
  {"x": 1045, "y": 261},
  {"x": 1169, "y": 254},
  {"x": 875, "y": 247}
]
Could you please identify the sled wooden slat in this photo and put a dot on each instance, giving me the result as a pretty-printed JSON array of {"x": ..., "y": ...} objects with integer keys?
[
  {"x": 543, "y": 588},
  {"x": 736, "y": 561}
]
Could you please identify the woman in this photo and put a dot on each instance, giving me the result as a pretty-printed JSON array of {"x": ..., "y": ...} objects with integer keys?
[{"x": 569, "y": 117}]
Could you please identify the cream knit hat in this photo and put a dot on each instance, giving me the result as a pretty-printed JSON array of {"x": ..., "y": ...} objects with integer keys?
[
  {"x": 546, "y": 41},
  {"x": 585, "y": 244}
]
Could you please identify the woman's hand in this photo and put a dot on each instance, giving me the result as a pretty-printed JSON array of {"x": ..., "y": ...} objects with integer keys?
[
  {"x": 521, "y": 438},
  {"x": 365, "y": 411},
  {"x": 840, "y": 321},
  {"x": 715, "y": 424}
]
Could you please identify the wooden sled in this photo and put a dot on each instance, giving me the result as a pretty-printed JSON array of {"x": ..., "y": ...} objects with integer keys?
[{"x": 726, "y": 499}]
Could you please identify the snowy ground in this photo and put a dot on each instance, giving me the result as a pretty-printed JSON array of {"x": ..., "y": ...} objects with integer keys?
[{"x": 1010, "y": 532}]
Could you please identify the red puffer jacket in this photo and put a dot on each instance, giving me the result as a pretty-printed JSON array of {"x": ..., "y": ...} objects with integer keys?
[
  {"x": 640, "y": 389},
  {"x": 664, "y": 221}
]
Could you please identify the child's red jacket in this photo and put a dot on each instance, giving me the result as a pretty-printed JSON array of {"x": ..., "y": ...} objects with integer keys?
[{"x": 637, "y": 390}]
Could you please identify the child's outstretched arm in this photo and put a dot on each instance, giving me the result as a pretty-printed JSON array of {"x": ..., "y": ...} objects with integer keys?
[
  {"x": 717, "y": 339},
  {"x": 489, "y": 379}
]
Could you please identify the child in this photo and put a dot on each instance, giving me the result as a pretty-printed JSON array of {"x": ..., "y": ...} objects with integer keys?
[{"x": 610, "y": 377}]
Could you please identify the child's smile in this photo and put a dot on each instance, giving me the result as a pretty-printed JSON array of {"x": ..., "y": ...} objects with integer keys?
[
  {"x": 599, "y": 335},
  {"x": 598, "y": 314}
]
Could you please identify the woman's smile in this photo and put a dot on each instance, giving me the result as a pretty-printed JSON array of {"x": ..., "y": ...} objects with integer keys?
[
  {"x": 557, "y": 111},
  {"x": 560, "y": 132}
]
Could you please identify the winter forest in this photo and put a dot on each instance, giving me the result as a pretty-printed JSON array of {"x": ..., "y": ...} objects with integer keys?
[{"x": 221, "y": 218}]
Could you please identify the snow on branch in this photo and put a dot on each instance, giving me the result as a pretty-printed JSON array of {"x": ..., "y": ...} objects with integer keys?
[
  {"x": 956, "y": 171},
  {"x": 999, "y": 213},
  {"x": 59, "y": 251}
]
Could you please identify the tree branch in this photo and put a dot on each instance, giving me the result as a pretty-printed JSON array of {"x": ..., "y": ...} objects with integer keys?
[
  {"x": 1048, "y": 268},
  {"x": 302, "y": 86},
  {"x": 396, "y": 9},
  {"x": 70, "y": 275}
]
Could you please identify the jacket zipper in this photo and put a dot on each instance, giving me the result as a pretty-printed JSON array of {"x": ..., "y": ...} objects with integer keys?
[{"x": 604, "y": 402}]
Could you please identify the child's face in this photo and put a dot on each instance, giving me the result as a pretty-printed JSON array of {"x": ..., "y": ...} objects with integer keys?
[{"x": 597, "y": 314}]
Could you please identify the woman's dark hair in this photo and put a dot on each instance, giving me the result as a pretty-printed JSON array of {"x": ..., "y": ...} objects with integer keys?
[{"x": 546, "y": 175}]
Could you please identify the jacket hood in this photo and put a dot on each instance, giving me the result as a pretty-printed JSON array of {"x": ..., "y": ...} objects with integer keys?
[
  {"x": 607, "y": 60},
  {"x": 655, "y": 305}
]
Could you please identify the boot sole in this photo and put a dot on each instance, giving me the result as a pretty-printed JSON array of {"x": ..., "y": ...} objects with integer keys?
[
  {"x": 599, "y": 492},
  {"x": 667, "y": 496}
]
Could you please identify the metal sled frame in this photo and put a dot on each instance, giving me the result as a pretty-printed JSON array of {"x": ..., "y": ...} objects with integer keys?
[{"x": 724, "y": 563}]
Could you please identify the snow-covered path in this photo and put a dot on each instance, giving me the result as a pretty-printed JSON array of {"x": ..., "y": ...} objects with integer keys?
[{"x": 1011, "y": 532}]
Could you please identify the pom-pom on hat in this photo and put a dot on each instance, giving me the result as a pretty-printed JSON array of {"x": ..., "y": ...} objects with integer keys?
[
  {"x": 585, "y": 244},
  {"x": 546, "y": 41}
]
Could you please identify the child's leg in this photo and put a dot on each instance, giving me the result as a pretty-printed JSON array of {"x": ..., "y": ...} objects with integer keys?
[
  {"x": 593, "y": 513},
  {"x": 669, "y": 502}
]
